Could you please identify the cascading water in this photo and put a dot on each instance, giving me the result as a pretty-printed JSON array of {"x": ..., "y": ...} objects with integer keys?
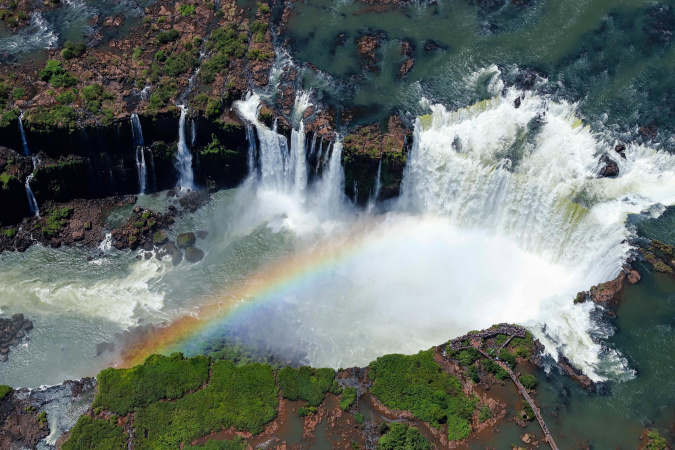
[
  {"x": 24, "y": 141},
  {"x": 32, "y": 202},
  {"x": 137, "y": 134},
  {"x": 529, "y": 174},
  {"x": 375, "y": 195},
  {"x": 193, "y": 132},
  {"x": 184, "y": 157}
]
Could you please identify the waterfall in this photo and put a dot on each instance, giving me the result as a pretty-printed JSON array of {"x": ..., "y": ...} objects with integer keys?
[
  {"x": 23, "y": 135},
  {"x": 184, "y": 157},
  {"x": 376, "y": 192},
  {"x": 193, "y": 132},
  {"x": 32, "y": 203},
  {"x": 280, "y": 169},
  {"x": 332, "y": 185},
  {"x": 137, "y": 134},
  {"x": 528, "y": 175}
]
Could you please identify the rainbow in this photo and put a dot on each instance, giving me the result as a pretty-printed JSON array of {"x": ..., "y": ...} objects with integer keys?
[{"x": 273, "y": 282}]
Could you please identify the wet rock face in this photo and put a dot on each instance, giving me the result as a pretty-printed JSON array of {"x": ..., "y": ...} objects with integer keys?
[
  {"x": 576, "y": 374},
  {"x": 408, "y": 52},
  {"x": 608, "y": 167},
  {"x": 12, "y": 332},
  {"x": 368, "y": 148}
]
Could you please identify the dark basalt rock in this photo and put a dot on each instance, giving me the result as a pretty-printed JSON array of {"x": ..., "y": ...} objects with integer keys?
[
  {"x": 12, "y": 332},
  {"x": 649, "y": 132},
  {"x": 621, "y": 150},
  {"x": 185, "y": 240},
  {"x": 608, "y": 167},
  {"x": 193, "y": 254}
]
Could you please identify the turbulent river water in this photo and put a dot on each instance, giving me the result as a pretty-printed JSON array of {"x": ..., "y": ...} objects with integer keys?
[{"x": 501, "y": 217}]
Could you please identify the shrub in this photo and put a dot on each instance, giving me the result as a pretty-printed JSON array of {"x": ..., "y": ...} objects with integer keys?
[
  {"x": 528, "y": 410},
  {"x": 217, "y": 64},
  {"x": 124, "y": 390},
  {"x": 73, "y": 50},
  {"x": 656, "y": 442},
  {"x": 186, "y": 10},
  {"x": 417, "y": 384},
  {"x": 498, "y": 371},
  {"x": 468, "y": 356},
  {"x": 4, "y": 389},
  {"x": 358, "y": 417},
  {"x": 160, "y": 56},
  {"x": 18, "y": 93},
  {"x": 164, "y": 37},
  {"x": 9, "y": 233},
  {"x": 56, "y": 75},
  {"x": 458, "y": 428},
  {"x": 507, "y": 357},
  {"x": 56, "y": 220},
  {"x": 65, "y": 98},
  {"x": 43, "y": 119},
  {"x": 484, "y": 413},
  {"x": 306, "y": 383},
  {"x": 230, "y": 41},
  {"x": 136, "y": 55},
  {"x": 529, "y": 381},
  {"x": 264, "y": 8},
  {"x": 348, "y": 398},
  {"x": 179, "y": 64},
  {"x": 403, "y": 437},
  {"x": 308, "y": 411},
  {"x": 90, "y": 433}
]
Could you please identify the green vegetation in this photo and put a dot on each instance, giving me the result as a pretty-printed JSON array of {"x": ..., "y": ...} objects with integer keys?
[
  {"x": 484, "y": 413},
  {"x": 65, "y": 98},
  {"x": 73, "y": 50},
  {"x": 215, "y": 65},
  {"x": 348, "y": 398},
  {"x": 230, "y": 40},
  {"x": 498, "y": 371},
  {"x": 306, "y": 411},
  {"x": 529, "y": 381},
  {"x": 9, "y": 233},
  {"x": 136, "y": 55},
  {"x": 162, "y": 94},
  {"x": 94, "y": 96},
  {"x": 507, "y": 357},
  {"x": 528, "y": 410},
  {"x": 186, "y": 10},
  {"x": 258, "y": 29},
  {"x": 90, "y": 433},
  {"x": 179, "y": 64},
  {"x": 56, "y": 75},
  {"x": 237, "y": 444},
  {"x": 18, "y": 93},
  {"x": 467, "y": 356},
  {"x": 358, "y": 417},
  {"x": 403, "y": 437},
  {"x": 160, "y": 56},
  {"x": 41, "y": 119},
  {"x": 417, "y": 383},
  {"x": 165, "y": 37},
  {"x": 243, "y": 397},
  {"x": 57, "y": 219},
  {"x": 656, "y": 442},
  {"x": 4, "y": 391},
  {"x": 159, "y": 377},
  {"x": 308, "y": 384},
  {"x": 9, "y": 117}
]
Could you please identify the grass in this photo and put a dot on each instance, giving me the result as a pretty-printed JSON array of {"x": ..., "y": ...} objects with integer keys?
[
  {"x": 160, "y": 377},
  {"x": 308, "y": 384},
  {"x": 417, "y": 384},
  {"x": 90, "y": 433},
  {"x": 403, "y": 437}
]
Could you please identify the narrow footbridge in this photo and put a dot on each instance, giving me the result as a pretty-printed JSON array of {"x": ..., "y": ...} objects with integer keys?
[{"x": 475, "y": 341}]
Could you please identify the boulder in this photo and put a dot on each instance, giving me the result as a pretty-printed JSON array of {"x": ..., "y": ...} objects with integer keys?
[
  {"x": 608, "y": 167},
  {"x": 193, "y": 254},
  {"x": 78, "y": 235},
  {"x": 621, "y": 150},
  {"x": 185, "y": 240},
  {"x": 160, "y": 238}
]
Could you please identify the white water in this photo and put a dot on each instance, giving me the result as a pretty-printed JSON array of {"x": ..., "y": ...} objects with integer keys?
[
  {"x": 37, "y": 35},
  {"x": 137, "y": 134},
  {"x": 32, "y": 202},
  {"x": 184, "y": 157},
  {"x": 23, "y": 135}
]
